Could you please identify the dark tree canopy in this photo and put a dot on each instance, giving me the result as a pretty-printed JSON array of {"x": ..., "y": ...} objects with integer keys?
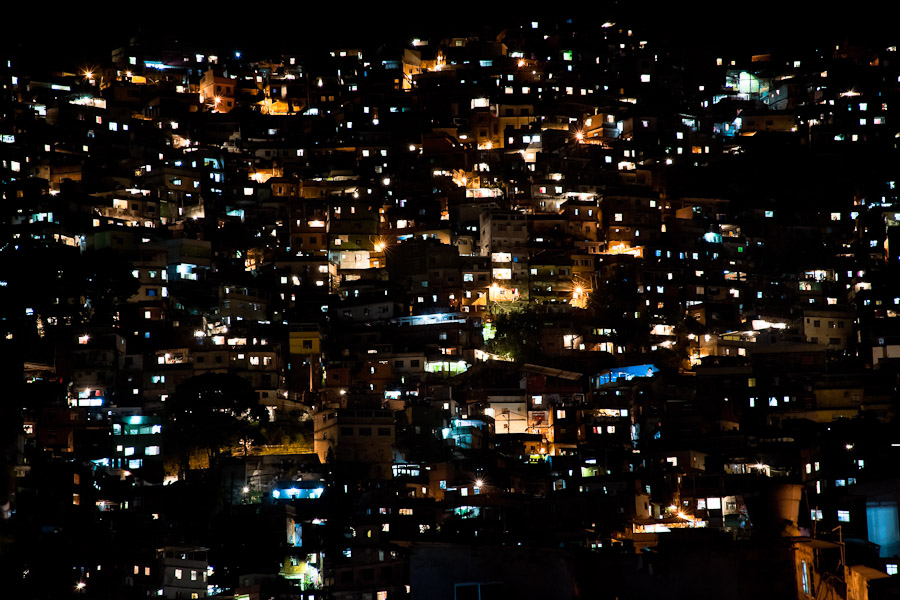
[
  {"x": 213, "y": 412},
  {"x": 519, "y": 336},
  {"x": 59, "y": 281}
]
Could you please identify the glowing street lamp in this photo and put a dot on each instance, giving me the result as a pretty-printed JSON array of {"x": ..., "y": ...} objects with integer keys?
[{"x": 579, "y": 298}]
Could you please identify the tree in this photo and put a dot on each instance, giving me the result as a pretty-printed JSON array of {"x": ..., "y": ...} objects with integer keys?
[
  {"x": 518, "y": 336},
  {"x": 213, "y": 413},
  {"x": 59, "y": 282},
  {"x": 107, "y": 281}
]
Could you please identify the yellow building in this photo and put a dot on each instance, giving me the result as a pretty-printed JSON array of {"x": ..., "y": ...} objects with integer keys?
[{"x": 305, "y": 338}]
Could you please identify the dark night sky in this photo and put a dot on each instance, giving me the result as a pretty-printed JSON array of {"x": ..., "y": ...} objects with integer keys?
[{"x": 90, "y": 31}]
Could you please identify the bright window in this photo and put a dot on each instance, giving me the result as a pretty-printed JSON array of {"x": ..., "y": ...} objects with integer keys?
[{"x": 805, "y": 577}]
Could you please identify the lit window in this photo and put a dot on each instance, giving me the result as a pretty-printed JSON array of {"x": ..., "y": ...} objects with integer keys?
[
  {"x": 178, "y": 574},
  {"x": 890, "y": 569},
  {"x": 844, "y": 516},
  {"x": 804, "y": 575}
]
